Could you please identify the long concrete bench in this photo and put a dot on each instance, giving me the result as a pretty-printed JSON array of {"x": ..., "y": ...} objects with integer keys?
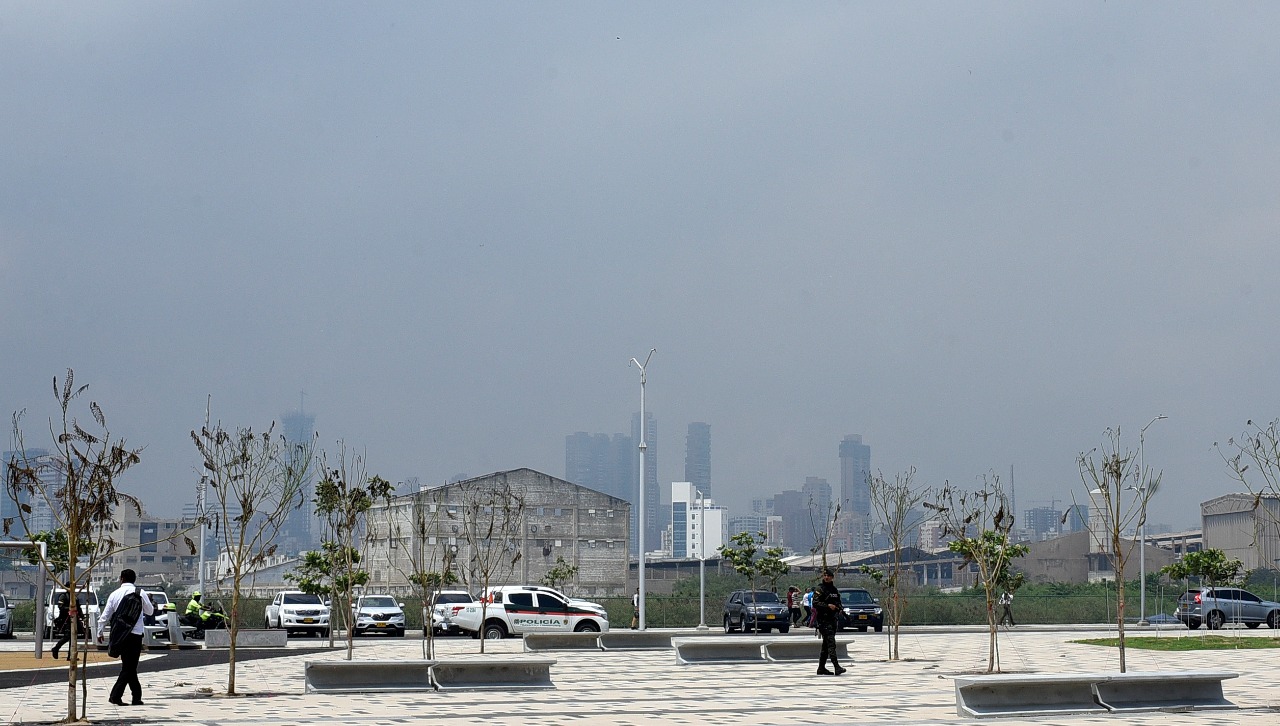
[
  {"x": 718, "y": 650},
  {"x": 1073, "y": 693},
  {"x": 160, "y": 636},
  {"x": 634, "y": 640},
  {"x": 794, "y": 649},
  {"x": 492, "y": 674},
  {"x": 367, "y": 676},
  {"x": 536, "y": 642},
  {"x": 246, "y": 638},
  {"x": 1152, "y": 691}
]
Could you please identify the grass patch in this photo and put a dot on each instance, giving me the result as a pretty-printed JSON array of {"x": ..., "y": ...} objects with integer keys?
[{"x": 1204, "y": 642}]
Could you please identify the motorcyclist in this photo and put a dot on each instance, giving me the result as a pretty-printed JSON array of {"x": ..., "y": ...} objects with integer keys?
[{"x": 195, "y": 608}]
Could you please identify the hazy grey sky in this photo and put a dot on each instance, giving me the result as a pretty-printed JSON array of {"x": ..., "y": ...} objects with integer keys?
[{"x": 976, "y": 233}]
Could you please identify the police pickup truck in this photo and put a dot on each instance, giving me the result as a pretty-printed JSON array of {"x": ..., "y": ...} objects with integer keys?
[{"x": 520, "y": 609}]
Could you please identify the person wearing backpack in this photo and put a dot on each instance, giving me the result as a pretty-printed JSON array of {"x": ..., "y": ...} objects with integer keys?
[{"x": 124, "y": 612}]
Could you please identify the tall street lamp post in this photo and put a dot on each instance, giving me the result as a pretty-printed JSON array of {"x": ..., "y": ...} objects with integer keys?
[
  {"x": 640, "y": 518},
  {"x": 1142, "y": 524},
  {"x": 702, "y": 559}
]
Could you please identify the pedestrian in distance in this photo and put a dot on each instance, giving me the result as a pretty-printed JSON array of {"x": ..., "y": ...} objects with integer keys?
[
  {"x": 62, "y": 624},
  {"x": 635, "y": 610},
  {"x": 793, "y": 603},
  {"x": 1006, "y": 608},
  {"x": 806, "y": 602},
  {"x": 826, "y": 603},
  {"x": 130, "y": 648}
]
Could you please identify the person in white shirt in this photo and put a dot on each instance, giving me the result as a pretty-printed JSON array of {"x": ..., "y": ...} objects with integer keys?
[
  {"x": 131, "y": 651},
  {"x": 1006, "y": 604}
]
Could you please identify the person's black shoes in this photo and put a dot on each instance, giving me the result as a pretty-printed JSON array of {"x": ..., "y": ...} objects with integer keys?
[
  {"x": 137, "y": 703},
  {"x": 115, "y": 702},
  {"x": 825, "y": 672},
  {"x": 840, "y": 670}
]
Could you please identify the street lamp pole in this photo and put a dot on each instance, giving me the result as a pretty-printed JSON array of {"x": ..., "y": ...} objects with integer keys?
[
  {"x": 640, "y": 518},
  {"x": 702, "y": 559},
  {"x": 1142, "y": 524}
]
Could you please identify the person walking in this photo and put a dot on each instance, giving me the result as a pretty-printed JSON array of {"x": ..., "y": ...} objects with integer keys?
[
  {"x": 62, "y": 624},
  {"x": 827, "y": 605},
  {"x": 807, "y": 603},
  {"x": 635, "y": 610},
  {"x": 131, "y": 647},
  {"x": 1006, "y": 608},
  {"x": 793, "y": 603}
]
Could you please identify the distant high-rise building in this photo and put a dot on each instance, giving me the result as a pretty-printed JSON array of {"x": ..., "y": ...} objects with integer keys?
[
  {"x": 696, "y": 523},
  {"x": 855, "y": 469},
  {"x": 697, "y": 457},
  {"x": 600, "y": 462},
  {"x": 818, "y": 491},
  {"x": 39, "y": 517},
  {"x": 1077, "y": 518},
  {"x": 654, "y": 519},
  {"x": 1042, "y": 521},
  {"x": 300, "y": 532}
]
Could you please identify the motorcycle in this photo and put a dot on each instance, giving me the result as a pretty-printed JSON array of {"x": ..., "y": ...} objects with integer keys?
[{"x": 210, "y": 618}]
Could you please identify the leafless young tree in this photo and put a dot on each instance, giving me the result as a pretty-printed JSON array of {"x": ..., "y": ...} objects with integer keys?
[
  {"x": 1118, "y": 494},
  {"x": 1253, "y": 459},
  {"x": 978, "y": 524},
  {"x": 75, "y": 483},
  {"x": 421, "y": 550},
  {"x": 491, "y": 514},
  {"x": 255, "y": 480},
  {"x": 895, "y": 504}
]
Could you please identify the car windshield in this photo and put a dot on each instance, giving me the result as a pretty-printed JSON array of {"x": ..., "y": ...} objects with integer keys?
[
  {"x": 856, "y": 597},
  {"x": 761, "y": 596},
  {"x": 378, "y": 601},
  {"x": 452, "y": 597},
  {"x": 301, "y": 598}
]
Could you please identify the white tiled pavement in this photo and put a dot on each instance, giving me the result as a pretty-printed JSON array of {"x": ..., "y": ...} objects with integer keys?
[{"x": 648, "y": 687}]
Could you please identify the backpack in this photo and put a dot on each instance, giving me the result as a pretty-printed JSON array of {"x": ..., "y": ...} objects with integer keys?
[{"x": 122, "y": 622}]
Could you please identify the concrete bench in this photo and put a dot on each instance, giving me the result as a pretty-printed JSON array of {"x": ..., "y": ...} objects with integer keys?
[
  {"x": 492, "y": 674},
  {"x": 535, "y": 642},
  {"x": 794, "y": 649},
  {"x": 634, "y": 640},
  {"x": 159, "y": 636},
  {"x": 718, "y": 650},
  {"x": 367, "y": 676},
  {"x": 1072, "y": 693},
  {"x": 1151, "y": 691},
  {"x": 246, "y": 638}
]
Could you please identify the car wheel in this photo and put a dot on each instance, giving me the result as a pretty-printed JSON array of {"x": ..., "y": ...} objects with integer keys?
[
  {"x": 398, "y": 634},
  {"x": 879, "y": 628},
  {"x": 1273, "y": 619},
  {"x": 727, "y": 627},
  {"x": 862, "y": 628},
  {"x": 495, "y": 631},
  {"x": 266, "y": 623},
  {"x": 784, "y": 628},
  {"x": 586, "y": 626},
  {"x": 1215, "y": 621}
]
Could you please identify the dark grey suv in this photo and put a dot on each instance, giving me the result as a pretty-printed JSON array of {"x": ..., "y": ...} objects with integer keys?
[
  {"x": 1216, "y": 606},
  {"x": 755, "y": 610},
  {"x": 859, "y": 610}
]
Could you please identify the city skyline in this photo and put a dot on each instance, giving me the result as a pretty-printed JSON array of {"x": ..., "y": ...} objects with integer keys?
[{"x": 977, "y": 235}]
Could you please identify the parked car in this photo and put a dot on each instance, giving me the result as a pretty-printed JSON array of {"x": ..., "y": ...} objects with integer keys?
[
  {"x": 757, "y": 611},
  {"x": 520, "y": 609},
  {"x": 298, "y": 612},
  {"x": 1216, "y": 606},
  {"x": 859, "y": 610},
  {"x": 445, "y": 605},
  {"x": 6, "y": 617},
  {"x": 378, "y": 614}
]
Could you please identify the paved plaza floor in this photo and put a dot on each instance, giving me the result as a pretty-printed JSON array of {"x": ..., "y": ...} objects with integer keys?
[{"x": 649, "y": 687}]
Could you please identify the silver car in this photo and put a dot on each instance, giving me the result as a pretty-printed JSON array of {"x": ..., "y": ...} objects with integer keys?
[
  {"x": 1216, "y": 606},
  {"x": 6, "y": 617}
]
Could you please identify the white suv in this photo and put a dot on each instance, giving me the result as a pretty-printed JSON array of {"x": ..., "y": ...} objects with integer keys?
[
  {"x": 297, "y": 611},
  {"x": 378, "y": 614},
  {"x": 520, "y": 609}
]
